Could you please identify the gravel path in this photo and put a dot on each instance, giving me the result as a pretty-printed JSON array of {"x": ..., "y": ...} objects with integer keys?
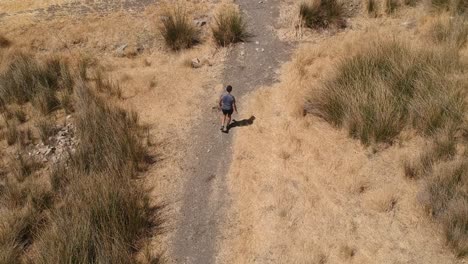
[{"x": 206, "y": 197}]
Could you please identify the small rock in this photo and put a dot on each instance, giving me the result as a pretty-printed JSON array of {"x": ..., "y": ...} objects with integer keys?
[
  {"x": 120, "y": 50},
  {"x": 409, "y": 24},
  {"x": 196, "y": 63},
  {"x": 257, "y": 43},
  {"x": 200, "y": 22}
]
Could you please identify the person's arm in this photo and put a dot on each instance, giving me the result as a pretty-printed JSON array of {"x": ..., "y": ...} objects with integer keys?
[
  {"x": 234, "y": 105},
  {"x": 220, "y": 102}
]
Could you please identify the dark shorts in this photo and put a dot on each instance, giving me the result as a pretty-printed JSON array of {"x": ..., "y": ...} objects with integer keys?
[{"x": 228, "y": 112}]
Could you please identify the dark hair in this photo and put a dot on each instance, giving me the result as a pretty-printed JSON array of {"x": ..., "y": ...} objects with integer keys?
[{"x": 229, "y": 88}]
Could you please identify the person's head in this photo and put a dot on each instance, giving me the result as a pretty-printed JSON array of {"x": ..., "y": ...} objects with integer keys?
[{"x": 229, "y": 88}]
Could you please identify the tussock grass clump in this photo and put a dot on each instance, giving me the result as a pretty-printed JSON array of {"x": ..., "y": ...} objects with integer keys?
[
  {"x": 450, "y": 31},
  {"x": 372, "y": 7},
  {"x": 47, "y": 128},
  {"x": 390, "y": 86},
  {"x": 104, "y": 212},
  {"x": 391, "y": 6},
  {"x": 4, "y": 42},
  {"x": 411, "y": 3},
  {"x": 178, "y": 30},
  {"x": 25, "y": 79},
  {"x": 229, "y": 27},
  {"x": 444, "y": 197},
  {"x": 442, "y": 148},
  {"x": 107, "y": 85},
  {"x": 22, "y": 167},
  {"x": 454, "y": 6},
  {"x": 104, "y": 218},
  {"x": 322, "y": 13},
  {"x": 11, "y": 132}
]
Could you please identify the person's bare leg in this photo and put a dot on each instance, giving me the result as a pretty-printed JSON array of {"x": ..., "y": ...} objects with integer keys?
[
  {"x": 228, "y": 121},
  {"x": 223, "y": 120}
]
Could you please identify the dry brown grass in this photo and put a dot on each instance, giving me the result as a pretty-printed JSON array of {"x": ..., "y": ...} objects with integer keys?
[
  {"x": 178, "y": 30},
  {"x": 322, "y": 13},
  {"x": 4, "y": 42},
  {"x": 95, "y": 199},
  {"x": 325, "y": 195},
  {"x": 229, "y": 27},
  {"x": 390, "y": 86}
]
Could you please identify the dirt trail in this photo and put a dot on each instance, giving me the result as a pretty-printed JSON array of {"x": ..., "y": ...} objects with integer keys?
[{"x": 205, "y": 195}]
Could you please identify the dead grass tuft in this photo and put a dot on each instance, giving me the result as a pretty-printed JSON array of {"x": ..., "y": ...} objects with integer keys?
[
  {"x": 22, "y": 166},
  {"x": 454, "y": 6},
  {"x": 229, "y": 27},
  {"x": 11, "y": 132},
  {"x": 47, "y": 128},
  {"x": 4, "y": 42},
  {"x": 27, "y": 80},
  {"x": 391, "y": 6},
  {"x": 178, "y": 30},
  {"x": 379, "y": 92},
  {"x": 322, "y": 13},
  {"x": 450, "y": 31},
  {"x": 372, "y": 8}
]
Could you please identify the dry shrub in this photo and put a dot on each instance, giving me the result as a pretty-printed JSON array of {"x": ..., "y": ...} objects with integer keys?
[
  {"x": 229, "y": 27},
  {"x": 322, "y": 13},
  {"x": 388, "y": 86},
  {"x": 178, "y": 30}
]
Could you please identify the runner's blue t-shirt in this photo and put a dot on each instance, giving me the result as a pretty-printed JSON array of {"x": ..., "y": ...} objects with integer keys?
[{"x": 227, "y": 101}]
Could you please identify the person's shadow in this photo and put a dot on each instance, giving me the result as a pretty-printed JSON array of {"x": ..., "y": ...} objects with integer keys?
[{"x": 241, "y": 123}]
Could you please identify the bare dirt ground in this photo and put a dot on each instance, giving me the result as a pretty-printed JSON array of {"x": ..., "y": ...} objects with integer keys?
[{"x": 206, "y": 196}]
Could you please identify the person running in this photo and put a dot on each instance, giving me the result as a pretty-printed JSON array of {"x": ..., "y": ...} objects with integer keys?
[{"x": 227, "y": 103}]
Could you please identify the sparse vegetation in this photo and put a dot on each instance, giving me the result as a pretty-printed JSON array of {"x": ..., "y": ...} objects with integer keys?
[
  {"x": 178, "y": 30},
  {"x": 229, "y": 27},
  {"x": 322, "y": 13}
]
